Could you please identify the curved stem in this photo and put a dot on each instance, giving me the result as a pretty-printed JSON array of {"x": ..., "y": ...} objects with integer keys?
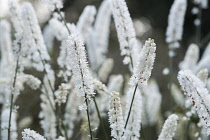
[
  {"x": 130, "y": 107},
  {"x": 12, "y": 93}
]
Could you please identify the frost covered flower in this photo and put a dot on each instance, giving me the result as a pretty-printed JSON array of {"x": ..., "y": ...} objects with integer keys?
[
  {"x": 202, "y": 3},
  {"x": 28, "y": 134},
  {"x": 191, "y": 58},
  {"x": 142, "y": 71},
  {"x": 105, "y": 70},
  {"x": 15, "y": 16},
  {"x": 115, "y": 82},
  {"x": 60, "y": 138},
  {"x": 97, "y": 48},
  {"x": 100, "y": 87},
  {"x": 79, "y": 65},
  {"x": 203, "y": 75},
  {"x": 84, "y": 25},
  {"x": 151, "y": 103},
  {"x": 177, "y": 95},
  {"x": 115, "y": 116},
  {"x": 203, "y": 63},
  {"x": 125, "y": 29},
  {"x": 7, "y": 58},
  {"x": 33, "y": 46},
  {"x": 54, "y": 4},
  {"x": 61, "y": 93},
  {"x": 175, "y": 23},
  {"x": 207, "y": 51},
  {"x": 169, "y": 128},
  {"x": 199, "y": 96}
]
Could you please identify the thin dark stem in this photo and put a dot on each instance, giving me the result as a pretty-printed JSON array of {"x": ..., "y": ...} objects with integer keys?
[
  {"x": 87, "y": 110},
  {"x": 12, "y": 93},
  {"x": 101, "y": 121},
  {"x": 64, "y": 20},
  {"x": 134, "y": 93}
]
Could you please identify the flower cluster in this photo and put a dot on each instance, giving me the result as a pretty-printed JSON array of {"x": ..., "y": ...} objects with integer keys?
[
  {"x": 31, "y": 135},
  {"x": 175, "y": 24},
  {"x": 115, "y": 116},
  {"x": 199, "y": 96},
  {"x": 142, "y": 71}
]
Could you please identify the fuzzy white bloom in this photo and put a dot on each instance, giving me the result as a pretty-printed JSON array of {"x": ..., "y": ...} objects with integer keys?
[
  {"x": 7, "y": 59},
  {"x": 84, "y": 25},
  {"x": 30, "y": 80},
  {"x": 61, "y": 94},
  {"x": 134, "y": 123},
  {"x": 116, "y": 117},
  {"x": 4, "y": 124},
  {"x": 60, "y": 138},
  {"x": 15, "y": 15},
  {"x": 98, "y": 48},
  {"x": 47, "y": 116},
  {"x": 28, "y": 134},
  {"x": 191, "y": 58},
  {"x": 207, "y": 51},
  {"x": 79, "y": 64},
  {"x": 195, "y": 90},
  {"x": 48, "y": 35},
  {"x": 169, "y": 128},
  {"x": 202, "y": 3},
  {"x": 203, "y": 75},
  {"x": 48, "y": 119},
  {"x": 177, "y": 95},
  {"x": 125, "y": 29},
  {"x": 105, "y": 69},
  {"x": 100, "y": 87},
  {"x": 115, "y": 82},
  {"x": 203, "y": 63},
  {"x": 175, "y": 23},
  {"x": 142, "y": 71},
  {"x": 151, "y": 103},
  {"x": 33, "y": 43},
  {"x": 54, "y": 4}
]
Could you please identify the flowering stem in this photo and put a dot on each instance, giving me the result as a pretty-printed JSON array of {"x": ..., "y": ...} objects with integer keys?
[
  {"x": 101, "y": 121},
  {"x": 134, "y": 93},
  {"x": 12, "y": 92},
  {"x": 87, "y": 110}
]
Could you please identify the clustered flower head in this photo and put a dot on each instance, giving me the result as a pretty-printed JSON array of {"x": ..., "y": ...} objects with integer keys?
[
  {"x": 199, "y": 96},
  {"x": 175, "y": 24},
  {"x": 169, "y": 128},
  {"x": 79, "y": 64},
  {"x": 28, "y": 134},
  {"x": 115, "y": 116},
  {"x": 142, "y": 71},
  {"x": 33, "y": 47},
  {"x": 125, "y": 29}
]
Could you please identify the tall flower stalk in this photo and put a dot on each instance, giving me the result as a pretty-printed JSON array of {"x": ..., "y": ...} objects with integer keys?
[
  {"x": 81, "y": 73},
  {"x": 142, "y": 71}
]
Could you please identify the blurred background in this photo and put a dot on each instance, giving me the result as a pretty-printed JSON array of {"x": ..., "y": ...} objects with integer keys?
[{"x": 150, "y": 19}]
